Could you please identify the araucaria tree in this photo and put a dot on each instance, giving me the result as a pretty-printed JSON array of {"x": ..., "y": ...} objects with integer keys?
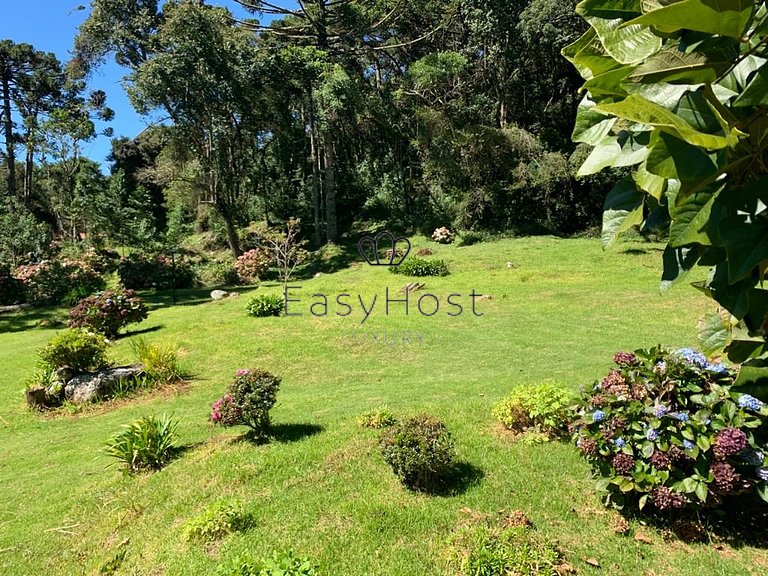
[{"x": 679, "y": 93}]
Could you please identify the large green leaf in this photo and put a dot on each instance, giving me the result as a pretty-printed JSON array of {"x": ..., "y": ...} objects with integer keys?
[
  {"x": 588, "y": 55},
  {"x": 625, "y": 44},
  {"x": 638, "y": 109},
  {"x": 610, "y": 8},
  {"x": 674, "y": 66},
  {"x": 612, "y": 151},
  {"x": 608, "y": 83},
  {"x": 591, "y": 127},
  {"x": 746, "y": 243},
  {"x": 694, "y": 109},
  {"x": 756, "y": 92},
  {"x": 623, "y": 209},
  {"x": 715, "y": 332},
  {"x": 677, "y": 263},
  {"x": 671, "y": 157},
  {"x": 724, "y": 17},
  {"x": 648, "y": 182},
  {"x": 738, "y": 78},
  {"x": 691, "y": 216}
]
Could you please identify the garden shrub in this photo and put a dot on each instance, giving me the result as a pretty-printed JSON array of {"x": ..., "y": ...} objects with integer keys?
[
  {"x": 140, "y": 272},
  {"x": 12, "y": 290},
  {"x": 419, "y": 450},
  {"x": 542, "y": 408},
  {"x": 145, "y": 444},
  {"x": 470, "y": 237},
  {"x": 51, "y": 280},
  {"x": 279, "y": 565},
  {"x": 377, "y": 419},
  {"x": 263, "y": 305},
  {"x": 218, "y": 520},
  {"x": 160, "y": 361},
  {"x": 442, "y": 235},
  {"x": 248, "y": 400},
  {"x": 81, "y": 350},
  {"x": 416, "y": 266},
  {"x": 669, "y": 429},
  {"x": 108, "y": 312},
  {"x": 501, "y": 550},
  {"x": 253, "y": 265},
  {"x": 218, "y": 274}
]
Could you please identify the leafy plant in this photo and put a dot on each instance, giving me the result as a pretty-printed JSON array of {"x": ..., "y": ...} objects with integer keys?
[
  {"x": 416, "y": 266},
  {"x": 12, "y": 290},
  {"x": 253, "y": 265},
  {"x": 248, "y": 401},
  {"x": 419, "y": 450},
  {"x": 108, "y": 312},
  {"x": 376, "y": 419},
  {"x": 160, "y": 361},
  {"x": 540, "y": 408},
  {"x": 279, "y": 565},
  {"x": 670, "y": 429},
  {"x": 145, "y": 444},
  {"x": 139, "y": 271},
  {"x": 218, "y": 520},
  {"x": 218, "y": 274},
  {"x": 79, "y": 349},
  {"x": 677, "y": 91},
  {"x": 263, "y": 305}
]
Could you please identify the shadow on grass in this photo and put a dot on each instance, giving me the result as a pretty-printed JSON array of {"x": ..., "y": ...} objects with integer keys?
[
  {"x": 130, "y": 333},
  {"x": 41, "y": 318},
  {"x": 460, "y": 478},
  {"x": 640, "y": 251},
  {"x": 327, "y": 260},
  {"x": 283, "y": 433},
  {"x": 740, "y": 521},
  {"x": 187, "y": 297}
]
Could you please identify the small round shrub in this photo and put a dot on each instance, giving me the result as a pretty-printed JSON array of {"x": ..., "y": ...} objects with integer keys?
[
  {"x": 79, "y": 349},
  {"x": 278, "y": 565},
  {"x": 416, "y": 266},
  {"x": 442, "y": 235},
  {"x": 542, "y": 408},
  {"x": 669, "y": 429},
  {"x": 140, "y": 272},
  {"x": 248, "y": 400},
  {"x": 108, "y": 312},
  {"x": 145, "y": 444},
  {"x": 377, "y": 419},
  {"x": 218, "y": 520},
  {"x": 419, "y": 450},
  {"x": 263, "y": 305},
  {"x": 12, "y": 290},
  {"x": 253, "y": 265},
  {"x": 218, "y": 274},
  {"x": 471, "y": 237}
]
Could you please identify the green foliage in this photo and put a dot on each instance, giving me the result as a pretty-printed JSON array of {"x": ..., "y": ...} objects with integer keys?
[
  {"x": 20, "y": 232},
  {"x": 419, "y": 450},
  {"x": 160, "y": 361},
  {"x": 540, "y": 408},
  {"x": 676, "y": 92},
  {"x": 253, "y": 265},
  {"x": 263, "y": 305},
  {"x": 77, "y": 348},
  {"x": 279, "y": 565},
  {"x": 138, "y": 271},
  {"x": 415, "y": 266},
  {"x": 470, "y": 237},
  {"x": 218, "y": 274},
  {"x": 376, "y": 419},
  {"x": 218, "y": 520},
  {"x": 108, "y": 312},
  {"x": 497, "y": 551},
  {"x": 12, "y": 290},
  {"x": 52, "y": 280},
  {"x": 145, "y": 444},
  {"x": 670, "y": 429},
  {"x": 248, "y": 400}
]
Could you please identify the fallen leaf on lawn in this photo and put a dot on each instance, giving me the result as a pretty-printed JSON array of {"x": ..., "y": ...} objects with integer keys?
[
  {"x": 640, "y": 537},
  {"x": 591, "y": 561}
]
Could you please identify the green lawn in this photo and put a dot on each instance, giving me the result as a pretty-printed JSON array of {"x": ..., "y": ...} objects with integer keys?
[{"x": 321, "y": 488}]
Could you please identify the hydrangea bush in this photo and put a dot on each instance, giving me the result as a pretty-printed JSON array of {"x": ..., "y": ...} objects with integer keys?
[
  {"x": 670, "y": 430},
  {"x": 108, "y": 312},
  {"x": 253, "y": 265},
  {"x": 442, "y": 235},
  {"x": 248, "y": 401}
]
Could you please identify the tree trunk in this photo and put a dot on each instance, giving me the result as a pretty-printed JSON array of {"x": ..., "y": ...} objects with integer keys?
[
  {"x": 10, "y": 167},
  {"x": 315, "y": 173},
  {"x": 331, "y": 226},
  {"x": 29, "y": 165},
  {"x": 232, "y": 239}
]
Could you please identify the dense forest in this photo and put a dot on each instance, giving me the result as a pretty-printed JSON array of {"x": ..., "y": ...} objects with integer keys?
[{"x": 344, "y": 114}]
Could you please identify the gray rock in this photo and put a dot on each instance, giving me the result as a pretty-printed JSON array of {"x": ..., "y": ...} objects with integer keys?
[
  {"x": 233, "y": 295},
  {"x": 95, "y": 385},
  {"x": 219, "y": 294}
]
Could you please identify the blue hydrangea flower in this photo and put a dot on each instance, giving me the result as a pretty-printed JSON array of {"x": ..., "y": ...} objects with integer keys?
[
  {"x": 660, "y": 410},
  {"x": 693, "y": 357},
  {"x": 753, "y": 457},
  {"x": 717, "y": 368},
  {"x": 688, "y": 445},
  {"x": 762, "y": 473},
  {"x": 619, "y": 442},
  {"x": 598, "y": 415},
  {"x": 750, "y": 403},
  {"x": 652, "y": 435},
  {"x": 681, "y": 416},
  {"x": 660, "y": 368}
]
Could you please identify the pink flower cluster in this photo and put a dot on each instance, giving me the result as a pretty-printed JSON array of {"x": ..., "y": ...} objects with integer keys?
[{"x": 225, "y": 411}]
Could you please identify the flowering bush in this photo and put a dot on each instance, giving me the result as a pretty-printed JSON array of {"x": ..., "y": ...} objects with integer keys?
[
  {"x": 52, "y": 280},
  {"x": 253, "y": 265},
  {"x": 140, "y": 272},
  {"x": 442, "y": 235},
  {"x": 248, "y": 401},
  {"x": 108, "y": 312},
  {"x": 670, "y": 429}
]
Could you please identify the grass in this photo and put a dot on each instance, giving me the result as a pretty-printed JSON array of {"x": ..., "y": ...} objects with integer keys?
[{"x": 320, "y": 487}]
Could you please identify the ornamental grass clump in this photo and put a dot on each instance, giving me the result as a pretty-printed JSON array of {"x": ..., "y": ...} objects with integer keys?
[
  {"x": 248, "y": 400},
  {"x": 670, "y": 430}
]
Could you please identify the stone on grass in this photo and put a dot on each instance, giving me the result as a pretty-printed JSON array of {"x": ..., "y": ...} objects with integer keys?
[
  {"x": 219, "y": 294},
  {"x": 92, "y": 386}
]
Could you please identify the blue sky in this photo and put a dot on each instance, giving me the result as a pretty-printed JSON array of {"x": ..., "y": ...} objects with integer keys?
[{"x": 50, "y": 25}]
